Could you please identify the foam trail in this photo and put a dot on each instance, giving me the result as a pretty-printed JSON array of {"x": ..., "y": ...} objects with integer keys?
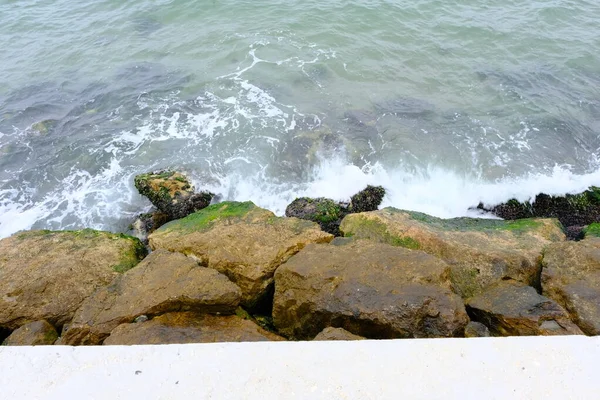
[{"x": 434, "y": 191}]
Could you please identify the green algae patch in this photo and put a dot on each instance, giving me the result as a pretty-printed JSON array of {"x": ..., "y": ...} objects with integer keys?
[
  {"x": 464, "y": 281},
  {"x": 131, "y": 254},
  {"x": 363, "y": 228},
  {"x": 592, "y": 230},
  {"x": 464, "y": 224},
  {"x": 203, "y": 219}
]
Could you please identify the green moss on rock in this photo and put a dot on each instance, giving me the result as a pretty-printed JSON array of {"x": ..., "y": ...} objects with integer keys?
[
  {"x": 592, "y": 230},
  {"x": 375, "y": 230},
  {"x": 203, "y": 219}
]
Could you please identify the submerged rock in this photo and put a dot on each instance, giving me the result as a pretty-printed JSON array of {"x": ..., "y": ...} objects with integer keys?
[
  {"x": 189, "y": 327},
  {"x": 370, "y": 289},
  {"x": 47, "y": 274},
  {"x": 510, "y": 308},
  {"x": 329, "y": 214},
  {"x": 32, "y": 334},
  {"x": 163, "y": 282},
  {"x": 571, "y": 276},
  {"x": 574, "y": 211},
  {"x": 242, "y": 241},
  {"x": 336, "y": 334},
  {"x": 479, "y": 251},
  {"x": 172, "y": 193}
]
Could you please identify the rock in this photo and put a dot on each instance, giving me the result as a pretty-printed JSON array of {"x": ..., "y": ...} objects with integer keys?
[
  {"x": 33, "y": 334},
  {"x": 242, "y": 241},
  {"x": 330, "y": 333},
  {"x": 370, "y": 289},
  {"x": 47, "y": 275},
  {"x": 189, "y": 327},
  {"x": 147, "y": 223},
  {"x": 511, "y": 308},
  {"x": 480, "y": 251},
  {"x": 571, "y": 209},
  {"x": 326, "y": 212},
  {"x": 171, "y": 193},
  {"x": 163, "y": 282},
  {"x": 367, "y": 199},
  {"x": 571, "y": 277},
  {"x": 476, "y": 329}
]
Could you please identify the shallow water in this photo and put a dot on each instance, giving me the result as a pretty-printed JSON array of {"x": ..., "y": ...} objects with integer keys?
[{"x": 445, "y": 103}]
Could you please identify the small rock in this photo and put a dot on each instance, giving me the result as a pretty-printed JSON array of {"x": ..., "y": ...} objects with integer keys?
[
  {"x": 33, "y": 334},
  {"x": 171, "y": 193},
  {"x": 330, "y": 333},
  {"x": 367, "y": 199},
  {"x": 141, "y": 318},
  {"x": 513, "y": 309},
  {"x": 326, "y": 212},
  {"x": 189, "y": 327},
  {"x": 476, "y": 329}
]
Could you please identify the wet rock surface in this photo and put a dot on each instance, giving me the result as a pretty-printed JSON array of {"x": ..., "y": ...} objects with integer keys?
[
  {"x": 32, "y": 334},
  {"x": 161, "y": 283},
  {"x": 189, "y": 327},
  {"x": 370, "y": 289},
  {"x": 329, "y": 214},
  {"x": 574, "y": 211},
  {"x": 48, "y": 274},
  {"x": 513, "y": 309},
  {"x": 480, "y": 252},
  {"x": 242, "y": 241},
  {"x": 171, "y": 193},
  {"x": 571, "y": 276}
]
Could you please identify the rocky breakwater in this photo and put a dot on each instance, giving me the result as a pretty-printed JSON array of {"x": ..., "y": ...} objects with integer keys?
[{"x": 233, "y": 271}]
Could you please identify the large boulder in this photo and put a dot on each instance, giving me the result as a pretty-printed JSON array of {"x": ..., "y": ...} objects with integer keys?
[
  {"x": 479, "y": 251},
  {"x": 172, "y": 193},
  {"x": 370, "y": 289},
  {"x": 240, "y": 240},
  {"x": 189, "y": 327},
  {"x": 47, "y": 275},
  {"x": 511, "y": 308},
  {"x": 571, "y": 276},
  {"x": 162, "y": 283},
  {"x": 35, "y": 333}
]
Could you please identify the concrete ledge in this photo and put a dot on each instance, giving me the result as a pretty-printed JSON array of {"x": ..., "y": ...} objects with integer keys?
[{"x": 491, "y": 368}]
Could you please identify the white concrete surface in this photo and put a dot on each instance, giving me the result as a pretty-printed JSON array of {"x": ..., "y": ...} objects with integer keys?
[{"x": 491, "y": 368}]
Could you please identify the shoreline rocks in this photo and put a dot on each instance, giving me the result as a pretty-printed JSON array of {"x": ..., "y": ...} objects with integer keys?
[
  {"x": 233, "y": 271},
  {"x": 329, "y": 214}
]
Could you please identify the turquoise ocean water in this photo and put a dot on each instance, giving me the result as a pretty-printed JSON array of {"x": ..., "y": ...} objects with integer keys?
[{"x": 445, "y": 103}]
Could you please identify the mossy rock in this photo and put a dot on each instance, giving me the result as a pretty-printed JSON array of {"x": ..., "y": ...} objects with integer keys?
[
  {"x": 245, "y": 242},
  {"x": 48, "y": 274},
  {"x": 480, "y": 251},
  {"x": 592, "y": 230},
  {"x": 172, "y": 193},
  {"x": 572, "y": 210},
  {"x": 326, "y": 212}
]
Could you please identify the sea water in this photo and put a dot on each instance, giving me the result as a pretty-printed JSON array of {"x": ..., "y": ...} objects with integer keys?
[{"x": 444, "y": 103}]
